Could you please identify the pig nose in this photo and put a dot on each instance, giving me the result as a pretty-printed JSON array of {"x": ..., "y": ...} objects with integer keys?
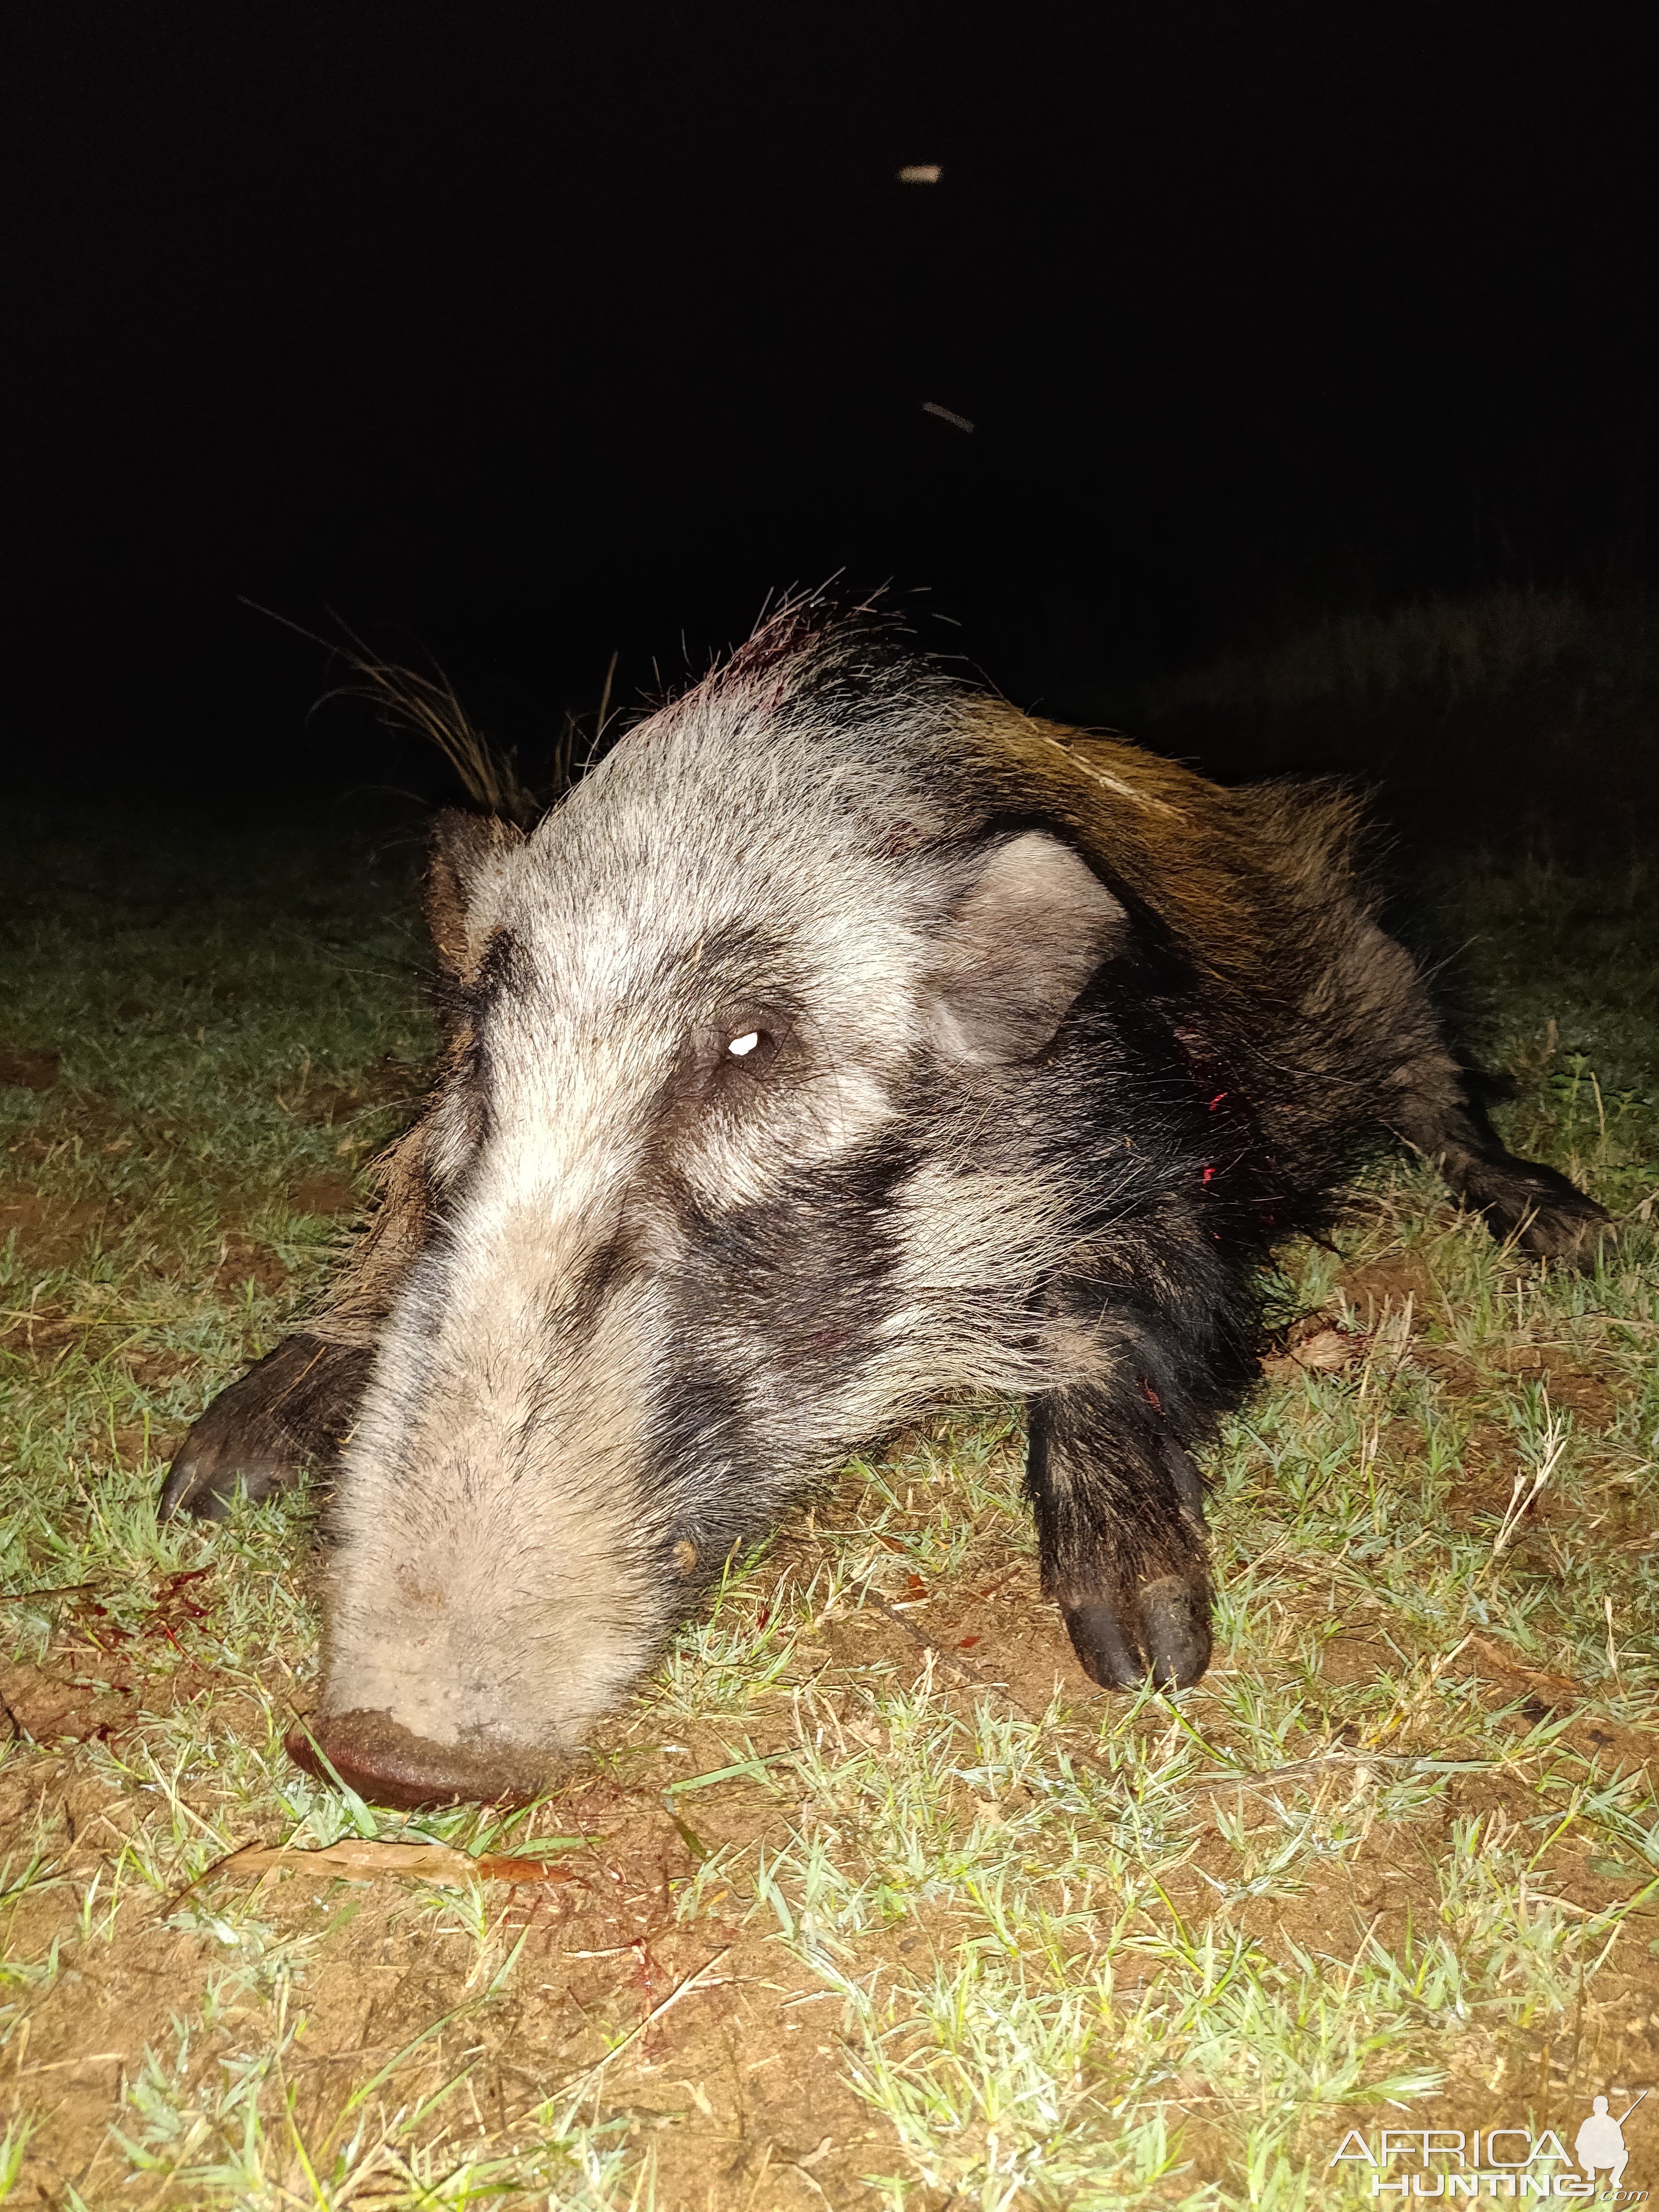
[{"x": 389, "y": 1764}]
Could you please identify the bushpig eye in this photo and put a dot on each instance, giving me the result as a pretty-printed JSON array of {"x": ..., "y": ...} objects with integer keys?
[
  {"x": 724, "y": 1060},
  {"x": 751, "y": 1039}
]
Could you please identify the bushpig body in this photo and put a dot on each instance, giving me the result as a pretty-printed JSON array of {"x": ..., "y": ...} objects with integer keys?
[{"x": 846, "y": 1041}]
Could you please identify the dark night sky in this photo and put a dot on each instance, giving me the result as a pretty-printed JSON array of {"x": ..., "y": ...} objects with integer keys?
[{"x": 516, "y": 333}]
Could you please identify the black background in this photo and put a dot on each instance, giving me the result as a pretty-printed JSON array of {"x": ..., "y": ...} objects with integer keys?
[{"x": 514, "y": 336}]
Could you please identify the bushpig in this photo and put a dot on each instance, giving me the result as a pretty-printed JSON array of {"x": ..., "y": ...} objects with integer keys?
[{"x": 846, "y": 1041}]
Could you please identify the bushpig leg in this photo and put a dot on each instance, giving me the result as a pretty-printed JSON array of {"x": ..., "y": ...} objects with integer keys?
[
  {"x": 1544, "y": 1214},
  {"x": 1432, "y": 1109},
  {"x": 1120, "y": 1516},
  {"x": 293, "y": 1408},
  {"x": 296, "y": 1406}
]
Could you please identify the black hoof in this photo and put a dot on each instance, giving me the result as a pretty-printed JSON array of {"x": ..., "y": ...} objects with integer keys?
[
  {"x": 1161, "y": 1629},
  {"x": 289, "y": 1410},
  {"x": 1547, "y": 1217},
  {"x": 1570, "y": 1235}
]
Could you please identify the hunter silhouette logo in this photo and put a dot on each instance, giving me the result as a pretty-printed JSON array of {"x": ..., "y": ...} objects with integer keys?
[
  {"x": 1600, "y": 2142},
  {"x": 1498, "y": 2161}
]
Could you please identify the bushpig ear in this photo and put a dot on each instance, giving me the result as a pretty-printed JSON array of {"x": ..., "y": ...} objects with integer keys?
[
  {"x": 1031, "y": 931},
  {"x": 464, "y": 851}
]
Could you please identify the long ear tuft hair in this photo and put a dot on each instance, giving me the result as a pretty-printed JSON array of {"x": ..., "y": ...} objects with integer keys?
[{"x": 429, "y": 706}]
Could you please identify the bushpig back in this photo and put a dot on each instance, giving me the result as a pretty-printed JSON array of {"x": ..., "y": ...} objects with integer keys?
[{"x": 1259, "y": 922}]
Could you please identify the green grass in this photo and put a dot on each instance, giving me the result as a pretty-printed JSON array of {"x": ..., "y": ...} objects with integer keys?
[{"x": 870, "y": 1898}]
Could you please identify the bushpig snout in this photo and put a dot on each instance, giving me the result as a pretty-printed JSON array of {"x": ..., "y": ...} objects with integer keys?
[{"x": 389, "y": 1765}]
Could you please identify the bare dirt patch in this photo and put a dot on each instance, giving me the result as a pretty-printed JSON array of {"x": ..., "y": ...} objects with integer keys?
[
  {"x": 30, "y": 1071},
  {"x": 1388, "y": 1284},
  {"x": 241, "y": 1261},
  {"x": 323, "y": 1194},
  {"x": 53, "y": 1231}
]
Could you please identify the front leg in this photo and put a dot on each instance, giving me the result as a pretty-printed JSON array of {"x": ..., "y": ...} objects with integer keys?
[
  {"x": 1120, "y": 1518},
  {"x": 293, "y": 1408},
  {"x": 296, "y": 1406}
]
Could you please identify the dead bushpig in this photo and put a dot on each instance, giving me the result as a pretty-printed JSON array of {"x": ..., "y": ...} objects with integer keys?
[{"x": 845, "y": 1041}]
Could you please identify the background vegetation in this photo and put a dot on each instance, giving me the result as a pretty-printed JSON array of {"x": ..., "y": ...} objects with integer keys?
[{"x": 1518, "y": 716}]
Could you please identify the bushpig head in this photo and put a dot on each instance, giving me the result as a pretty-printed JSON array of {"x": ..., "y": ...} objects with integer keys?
[{"x": 733, "y": 1168}]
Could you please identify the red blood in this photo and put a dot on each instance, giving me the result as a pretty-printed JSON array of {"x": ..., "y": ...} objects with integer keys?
[
  {"x": 966, "y": 1643},
  {"x": 177, "y": 1582}
]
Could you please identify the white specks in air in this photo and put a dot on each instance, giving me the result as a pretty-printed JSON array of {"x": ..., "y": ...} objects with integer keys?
[{"x": 740, "y": 1045}]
